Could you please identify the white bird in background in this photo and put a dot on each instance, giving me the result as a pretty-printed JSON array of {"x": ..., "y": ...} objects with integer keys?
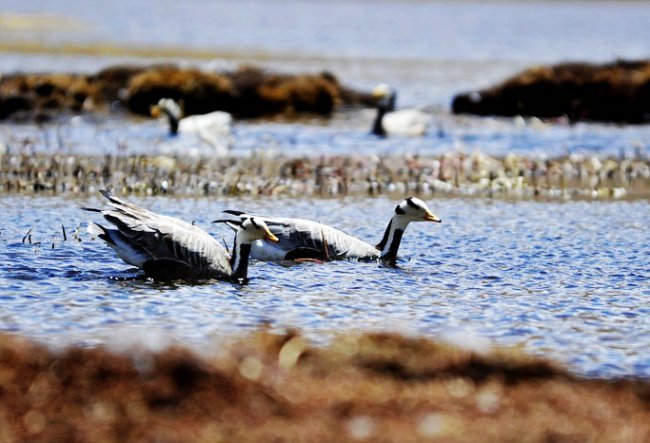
[
  {"x": 306, "y": 239},
  {"x": 167, "y": 248},
  {"x": 214, "y": 128},
  {"x": 404, "y": 122}
]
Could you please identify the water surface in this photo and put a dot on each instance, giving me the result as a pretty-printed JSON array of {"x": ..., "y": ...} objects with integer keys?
[
  {"x": 347, "y": 133},
  {"x": 564, "y": 280}
]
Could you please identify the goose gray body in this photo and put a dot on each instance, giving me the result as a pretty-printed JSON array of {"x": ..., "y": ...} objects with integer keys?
[
  {"x": 306, "y": 239},
  {"x": 168, "y": 248},
  {"x": 300, "y": 238},
  {"x": 389, "y": 121},
  {"x": 213, "y": 128}
]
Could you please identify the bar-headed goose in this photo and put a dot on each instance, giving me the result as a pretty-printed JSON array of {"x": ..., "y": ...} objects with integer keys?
[
  {"x": 167, "y": 248},
  {"x": 405, "y": 122},
  {"x": 214, "y": 128},
  {"x": 306, "y": 239}
]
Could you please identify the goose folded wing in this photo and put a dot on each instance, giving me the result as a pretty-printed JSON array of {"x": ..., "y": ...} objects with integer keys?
[
  {"x": 342, "y": 245},
  {"x": 298, "y": 238},
  {"x": 308, "y": 239},
  {"x": 301, "y": 238},
  {"x": 411, "y": 122},
  {"x": 168, "y": 238},
  {"x": 167, "y": 269}
]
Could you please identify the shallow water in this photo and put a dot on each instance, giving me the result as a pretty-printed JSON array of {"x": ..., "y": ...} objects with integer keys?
[
  {"x": 564, "y": 280},
  {"x": 534, "y": 30},
  {"x": 428, "y": 50},
  {"x": 347, "y": 133}
]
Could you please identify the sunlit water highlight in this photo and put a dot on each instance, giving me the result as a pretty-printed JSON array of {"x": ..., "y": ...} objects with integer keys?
[
  {"x": 347, "y": 133},
  {"x": 564, "y": 280}
]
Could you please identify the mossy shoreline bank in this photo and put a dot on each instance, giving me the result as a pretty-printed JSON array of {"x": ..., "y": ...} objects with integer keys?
[{"x": 452, "y": 174}]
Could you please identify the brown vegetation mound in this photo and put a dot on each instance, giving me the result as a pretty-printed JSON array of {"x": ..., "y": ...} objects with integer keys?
[
  {"x": 246, "y": 92},
  {"x": 613, "y": 92},
  {"x": 44, "y": 92},
  {"x": 376, "y": 387}
]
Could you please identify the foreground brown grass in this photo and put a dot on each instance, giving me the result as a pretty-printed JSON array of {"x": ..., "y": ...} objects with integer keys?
[{"x": 273, "y": 388}]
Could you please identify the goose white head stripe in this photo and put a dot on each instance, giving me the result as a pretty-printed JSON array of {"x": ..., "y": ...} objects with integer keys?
[
  {"x": 416, "y": 210},
  {"x": 391, "y": 121},
  {"x": 255, "y": 229}
]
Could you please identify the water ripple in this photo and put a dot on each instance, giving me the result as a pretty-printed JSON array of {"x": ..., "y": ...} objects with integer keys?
[{"x": 565, "y": 280}]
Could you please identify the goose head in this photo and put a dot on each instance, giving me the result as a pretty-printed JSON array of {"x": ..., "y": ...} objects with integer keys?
[
  {"x": 386, "y": 97},
  {"x": 171, "y": 109},
  {"x": 414, "y": 210},
  {"x": 248, "y": 231},
  {"x": 251, "y": 229},
  {"x": 410, "y": 210}
]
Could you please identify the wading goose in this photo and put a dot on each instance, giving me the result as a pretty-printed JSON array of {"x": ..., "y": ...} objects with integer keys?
[
  {"x": 214, "y": 128},
  {"x": 167, "y": 248},
  {"x": 306, "y": 239},
  {"x": 405, "y": 122}
]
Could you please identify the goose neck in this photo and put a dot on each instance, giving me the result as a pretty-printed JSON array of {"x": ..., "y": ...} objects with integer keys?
[
  {"x": 377, "y": 126},
  {"x": 389, "y": 244},
  {"x": 239, "y": 260},
  {"x": 173, "y": 121}
]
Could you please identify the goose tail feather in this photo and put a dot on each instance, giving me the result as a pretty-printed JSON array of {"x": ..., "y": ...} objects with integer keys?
[
  {"x": 125, "y": 249},
  {"x": 97, "y": 230},
  {"x": 234, "y": 212},
  {"x": 232, "y": 224}
]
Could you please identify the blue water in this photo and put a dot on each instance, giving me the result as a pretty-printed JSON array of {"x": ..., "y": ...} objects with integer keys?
[
  {"x": 564, "y": 280},
  {"x": 446, "y": 30},
  {"x": 429, "y": 50},
  {"x": 346, "y": 133}
]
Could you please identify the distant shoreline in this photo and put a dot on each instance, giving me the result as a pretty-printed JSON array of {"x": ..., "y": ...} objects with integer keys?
[
  {"x": 578, "y": 177},
  {"x": 184, "y": 53}
]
